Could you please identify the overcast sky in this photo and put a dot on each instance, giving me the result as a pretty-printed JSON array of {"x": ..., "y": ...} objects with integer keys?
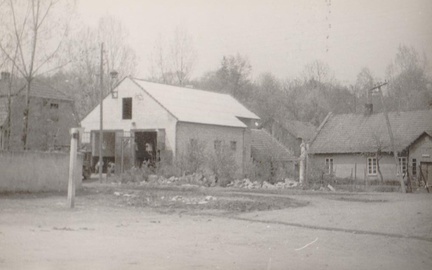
[{"x": 279, "y": 36}]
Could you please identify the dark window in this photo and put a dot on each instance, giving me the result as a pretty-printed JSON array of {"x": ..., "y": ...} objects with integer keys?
[
  {"x": 54, "y": 105},
  {"x": 217, "y": 145},
  {"x": 127, "y": 108},
  {"x": 414, "y": 166},
  {"x": 329, "y": 165},
  {"x": 372, "y": 166},
  {"x": 233, "y": 145}
]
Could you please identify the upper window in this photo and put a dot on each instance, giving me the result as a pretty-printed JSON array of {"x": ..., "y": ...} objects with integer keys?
[
  {"x": 372, "y": 166},
  {"x": 127, "y": 108},
  {"x": 329, "y": 165}
]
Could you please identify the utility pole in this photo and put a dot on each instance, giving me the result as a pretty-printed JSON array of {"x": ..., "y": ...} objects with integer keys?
[
  {"x": 395, "y": 155},
  {"x": 100, "y": 167}
]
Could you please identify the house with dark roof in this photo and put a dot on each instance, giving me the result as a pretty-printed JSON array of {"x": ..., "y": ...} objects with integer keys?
[
  {"x": 358, "y": 146},
  {"x": 144, "y": 120},
  {"x": 51, "y": 115}
]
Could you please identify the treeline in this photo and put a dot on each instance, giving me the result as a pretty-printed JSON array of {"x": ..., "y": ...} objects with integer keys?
[{"x": 38, "y": 43}]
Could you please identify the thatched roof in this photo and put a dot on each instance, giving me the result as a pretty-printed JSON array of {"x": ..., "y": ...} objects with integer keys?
[{"x": 357, "y": 133}]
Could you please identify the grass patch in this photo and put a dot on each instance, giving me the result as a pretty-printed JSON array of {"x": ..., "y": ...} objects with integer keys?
[{"x": 201, "y": 199}]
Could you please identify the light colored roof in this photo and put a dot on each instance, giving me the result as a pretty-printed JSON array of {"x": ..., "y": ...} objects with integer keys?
[
  {"x": 357, "y": 133},
  {"x": 198, "y": 106},
  {"x": 265, "y": 146}
]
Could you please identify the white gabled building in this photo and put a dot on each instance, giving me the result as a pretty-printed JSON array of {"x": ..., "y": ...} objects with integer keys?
[{"x": 165, "y": 119}]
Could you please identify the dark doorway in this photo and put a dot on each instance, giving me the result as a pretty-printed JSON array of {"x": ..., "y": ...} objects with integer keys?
[{"x": 145, "y": 147}]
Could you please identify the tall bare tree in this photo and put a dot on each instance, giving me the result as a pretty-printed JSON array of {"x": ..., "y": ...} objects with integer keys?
[
  {"x": 35, "y": 29},
  {"x": 409, "y": 80},
  {"x": 172, "y": 61},
  {"x": 81, "y": 78}
]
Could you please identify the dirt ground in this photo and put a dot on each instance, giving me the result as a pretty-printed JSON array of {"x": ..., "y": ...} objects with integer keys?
[{"x": 324, "y": 231}]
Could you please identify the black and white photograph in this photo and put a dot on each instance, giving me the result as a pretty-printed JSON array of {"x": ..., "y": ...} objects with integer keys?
[{"x": 215, "y": 134}]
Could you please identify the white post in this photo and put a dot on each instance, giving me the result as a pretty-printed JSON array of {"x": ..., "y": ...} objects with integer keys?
[
  {"x": 72, "y": 166},
  {"x": 302, "y": 164}
]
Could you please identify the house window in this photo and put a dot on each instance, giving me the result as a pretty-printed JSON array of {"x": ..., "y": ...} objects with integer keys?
[
  {"x": 372, "y": 166},
  {"x": 217, "y": 145},
  {"x": 329, "y": 165},
  {"x": 127, "y": 108},
  {"x": 233, "y": 145},
  {"x": 403, "y": 164},
  {"x": 54, "y": 106},
  {"x": 414, "y": 166}
]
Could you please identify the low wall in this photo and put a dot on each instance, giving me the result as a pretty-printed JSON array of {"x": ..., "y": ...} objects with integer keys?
[{"x": 36, "y": 171}]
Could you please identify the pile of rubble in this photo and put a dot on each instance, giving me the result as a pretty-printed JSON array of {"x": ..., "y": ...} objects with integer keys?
[
  {"x": 193, "y": 179},
  {"x": 248, "y": 184},
  {"x": 193, "y": 200},
  {"x": 197, "y": 179}
]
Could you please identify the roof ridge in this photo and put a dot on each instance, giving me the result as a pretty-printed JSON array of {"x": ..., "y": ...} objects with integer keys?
[
  {"x": 326, "y": 119},
  {"x": 183, "y": 87}
]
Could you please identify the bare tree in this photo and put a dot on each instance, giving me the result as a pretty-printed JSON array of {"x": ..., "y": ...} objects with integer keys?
[
  {"x": 409, "y": 81},
  {"x": 173, "y": 62},
  {"x": 81, "y": 78},
  {"x": 318, "y": 71},
  {"x": 26, "y": 25}
]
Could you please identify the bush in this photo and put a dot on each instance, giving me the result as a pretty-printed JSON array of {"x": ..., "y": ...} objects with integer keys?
[
  {"x": 193, "y": 159},
  {"x": 223, "y": 165}
]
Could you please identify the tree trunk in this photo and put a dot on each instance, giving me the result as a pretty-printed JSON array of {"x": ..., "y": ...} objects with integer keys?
[
  {"x": 379, "y": 169},
  {"x": 26, "y": 116}
]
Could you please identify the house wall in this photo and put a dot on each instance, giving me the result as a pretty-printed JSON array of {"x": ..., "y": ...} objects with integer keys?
[
  {"x": 28, "y": 171},
  {"x": 421, "y": 150},
  {"x": 48, "y": 127},
  {"x": 354, "y": 166},
  {"x": 147, "y": 114},
  {"x": 209, "y": 133}
]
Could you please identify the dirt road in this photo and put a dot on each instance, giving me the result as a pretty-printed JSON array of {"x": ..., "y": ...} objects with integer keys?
[{"x": 337, "y": 231}]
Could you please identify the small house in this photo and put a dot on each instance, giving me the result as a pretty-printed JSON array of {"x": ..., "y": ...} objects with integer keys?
[{"x": 358, "y": 146}]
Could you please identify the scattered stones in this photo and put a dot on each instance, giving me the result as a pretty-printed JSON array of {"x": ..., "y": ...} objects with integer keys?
[
  {"x": 248, "y": 184},
  {"x": 193, "y": 200}
]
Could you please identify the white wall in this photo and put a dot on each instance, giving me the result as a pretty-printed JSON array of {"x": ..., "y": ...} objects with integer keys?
[
  {"x": 147, "y": 114},
  {"x": 30, "y": 171}
]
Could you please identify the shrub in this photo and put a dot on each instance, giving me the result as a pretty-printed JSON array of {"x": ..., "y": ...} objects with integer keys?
[
  {"x": 223, "y": 165},
  {"x": 193, "y": 159}
]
